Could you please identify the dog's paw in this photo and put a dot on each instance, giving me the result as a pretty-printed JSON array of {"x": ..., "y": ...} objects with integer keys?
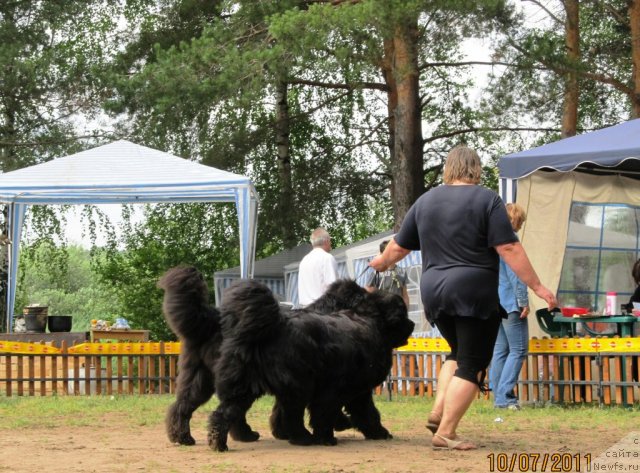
[
  {"x": 378, "y": 434},
  {"x": 218, "y": 446},
  {"x": 342, "y": 422},
  {"x": 245, "y": 436},
  {"x": 216, "y": 442},
  {"x": 280, "y": 434},
  {"x": 302, "y": 440},
  {"x": 327, "y": 441},
  {"x": 186, "y": 440},
  {"x": 325, "y": 438},
  {"x": 180, "y": 437}
]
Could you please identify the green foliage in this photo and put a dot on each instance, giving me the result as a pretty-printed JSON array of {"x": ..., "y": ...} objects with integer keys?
[
  {"x": 534, "y": 86},
  {"x": 203, "y": 235},
  {"x": 218, "y": 109},
  {"x": 200, "y": 79},
  {"x": 63, "y": 279},
  {"x": 47, "y": 50}
]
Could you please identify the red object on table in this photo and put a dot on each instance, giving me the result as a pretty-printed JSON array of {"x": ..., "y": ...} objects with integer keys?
[{"x": 571, "y": 311}]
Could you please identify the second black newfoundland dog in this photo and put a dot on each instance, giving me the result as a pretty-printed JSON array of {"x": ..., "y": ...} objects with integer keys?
[
  {"x": 326, "y": 356},
  {"x": 306, "y": 358}
]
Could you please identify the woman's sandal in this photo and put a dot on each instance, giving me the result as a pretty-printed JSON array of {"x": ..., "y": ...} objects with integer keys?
[
  {"x": 433, "y": 422},
  {"x": 453, "y": 444}
]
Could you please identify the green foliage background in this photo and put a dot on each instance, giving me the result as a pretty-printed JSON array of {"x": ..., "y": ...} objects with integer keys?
[
  {"x": 63, "y": 279},
  {"x": 201, "y": 79}
]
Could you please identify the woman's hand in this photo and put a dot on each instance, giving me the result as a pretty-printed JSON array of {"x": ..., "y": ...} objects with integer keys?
[
  {"x": 544, "y": 293},
  {"x": 525, "y": 312},
  {"x": 379, "y": 264},
  {"x": 392, "y": 254}
]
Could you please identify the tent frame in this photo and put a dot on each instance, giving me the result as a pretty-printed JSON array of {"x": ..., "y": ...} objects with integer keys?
[{"x": 19, "y": 195}]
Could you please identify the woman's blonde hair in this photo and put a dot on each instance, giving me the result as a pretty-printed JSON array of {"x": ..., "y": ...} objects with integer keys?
[
  {"x": 462, "y": 164},
  {"x": 517, "y": 215}
]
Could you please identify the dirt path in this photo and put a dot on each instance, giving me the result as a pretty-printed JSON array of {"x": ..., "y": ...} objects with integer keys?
[{"x": 116, "y": 446}]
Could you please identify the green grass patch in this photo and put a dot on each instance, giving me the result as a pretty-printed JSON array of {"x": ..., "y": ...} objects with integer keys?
[{"x": 398, "y": 414}]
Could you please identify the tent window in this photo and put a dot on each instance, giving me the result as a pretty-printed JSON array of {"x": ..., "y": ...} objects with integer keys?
[{"x": 602, "y": 245}]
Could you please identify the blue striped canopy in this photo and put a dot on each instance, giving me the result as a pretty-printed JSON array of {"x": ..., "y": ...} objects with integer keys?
[
  {"x": 124, "y": 172},
  {"x": 613, "y": 147}
]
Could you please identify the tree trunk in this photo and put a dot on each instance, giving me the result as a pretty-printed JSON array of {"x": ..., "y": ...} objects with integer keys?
[
  {"x": 392, "y": 103},
  {"x": 284, "y": 165},
  {"x": 572, "y": 91},
  {"x": 634, "y": 23},
  {"x": 407, "y": 164}
]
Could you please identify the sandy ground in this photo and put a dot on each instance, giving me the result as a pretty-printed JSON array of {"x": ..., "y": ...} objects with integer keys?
[{"x": 116, "y": 446}]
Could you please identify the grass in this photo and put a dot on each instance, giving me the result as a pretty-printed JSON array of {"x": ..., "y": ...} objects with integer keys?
[
  {"x": 17, "y": 412},
  {"x": 399, "y": 414}
]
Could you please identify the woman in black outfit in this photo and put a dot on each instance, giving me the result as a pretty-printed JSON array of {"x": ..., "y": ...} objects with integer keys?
[{"x": 461, "y": 230}]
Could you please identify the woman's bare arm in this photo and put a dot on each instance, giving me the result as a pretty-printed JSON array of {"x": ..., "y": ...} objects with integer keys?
[
  {"x": 392, "y": 254},
  {"x": 515, "y": 256}
]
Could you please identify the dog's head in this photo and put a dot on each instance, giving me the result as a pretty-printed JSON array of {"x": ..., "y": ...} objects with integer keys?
[
  {"x": 343, "y": 294},
  {"x": 249, "y": 310},
  {"x": 392, "y": 316}
]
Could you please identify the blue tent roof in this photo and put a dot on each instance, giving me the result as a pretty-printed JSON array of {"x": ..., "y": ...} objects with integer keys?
[{"x": 613, "y": 147}]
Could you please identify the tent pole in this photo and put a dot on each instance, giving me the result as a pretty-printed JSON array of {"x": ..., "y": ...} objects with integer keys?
[
  {"x": 507, "y": 188},
  {"x": 5, "y": 248},
  {"x": 15, "y": 220}
]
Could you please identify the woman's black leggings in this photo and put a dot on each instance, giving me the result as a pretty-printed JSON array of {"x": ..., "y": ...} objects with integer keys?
[{"x": 471, "y": 341}]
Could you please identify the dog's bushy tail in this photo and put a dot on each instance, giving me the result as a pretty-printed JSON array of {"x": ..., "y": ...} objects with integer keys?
[
  {"x": 186, "y": 304},
  {"x": 249, "y": 312}
]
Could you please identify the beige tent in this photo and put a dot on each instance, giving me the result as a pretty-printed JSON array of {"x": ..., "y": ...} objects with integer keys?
[{"x": 582, "y": 198}]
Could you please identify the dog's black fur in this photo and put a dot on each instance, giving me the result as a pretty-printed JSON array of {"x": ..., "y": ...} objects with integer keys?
[
  {"x": 307, "y": 359},
  {"x": 197, "y": 325}
]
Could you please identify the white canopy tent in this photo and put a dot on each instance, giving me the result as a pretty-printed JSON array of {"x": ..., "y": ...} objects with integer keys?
[{"x": 118, "y": 173}]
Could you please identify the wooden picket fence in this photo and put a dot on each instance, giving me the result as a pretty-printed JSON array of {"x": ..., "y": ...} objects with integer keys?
[
  {"x": 36, "y": 369},
  {"x": 568, "y": 370},
  {"x": 604, "y": 371}
]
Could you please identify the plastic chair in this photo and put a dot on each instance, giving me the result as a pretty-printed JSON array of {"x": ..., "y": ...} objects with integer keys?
[
  {"x": 545, "y": 320},
  {"x": 610, "y": 331}
]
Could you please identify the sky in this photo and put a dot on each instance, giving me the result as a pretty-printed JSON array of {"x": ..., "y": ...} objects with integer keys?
[{"x": 75, "y": 227}]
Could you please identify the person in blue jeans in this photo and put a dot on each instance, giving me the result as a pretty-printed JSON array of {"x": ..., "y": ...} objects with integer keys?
[{"x": 512, "y": 344}]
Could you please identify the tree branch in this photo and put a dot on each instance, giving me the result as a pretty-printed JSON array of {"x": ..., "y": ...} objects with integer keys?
[
  {"x": 466, "y": 63},
  {"x": 549, "y": 12},
  {"x": 28, "y": 144},
  {"x": 331, "y": 2},
  {"x": 329, "y": 85},
  {"x": 482, "y": 128},
  {"x": 320, "y": 105},
  {"x": 561, "y": 70}
]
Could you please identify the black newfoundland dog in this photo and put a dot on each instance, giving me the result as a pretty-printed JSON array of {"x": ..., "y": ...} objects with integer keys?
[
  {"x": 197, "y": 325},
  {"x": 306, "y": 358},
  {"x": 326, "y": 356}
]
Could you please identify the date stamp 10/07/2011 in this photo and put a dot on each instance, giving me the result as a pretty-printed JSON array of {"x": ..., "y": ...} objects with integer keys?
[
  {"x": 624, "y": 455},
  {"x": 538, "y": 462}
]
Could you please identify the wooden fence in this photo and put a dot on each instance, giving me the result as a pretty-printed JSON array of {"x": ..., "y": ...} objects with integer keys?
[
  {"x": 567, "y": 370},
  {"x": 604, "y": 371},
  {"x": 34, "y": 369}
]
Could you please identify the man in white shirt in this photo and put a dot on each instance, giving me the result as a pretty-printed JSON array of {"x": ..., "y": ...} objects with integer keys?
[{"x": 317, "y": 270}]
